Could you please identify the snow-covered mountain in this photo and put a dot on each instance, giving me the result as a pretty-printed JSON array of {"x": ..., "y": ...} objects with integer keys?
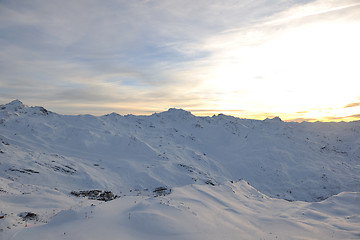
[{"x": 176, "y": 176}]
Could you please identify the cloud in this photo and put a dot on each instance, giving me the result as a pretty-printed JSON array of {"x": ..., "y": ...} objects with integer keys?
[
  {"x": 357, "y": 104},
  {"x": 201, "y": 54},
  {"x": 301, "y": 120},
  {"x": 301, "y": 61},
  {"x": 354, "y": 117},
  {"x": 316, "y": 9}
]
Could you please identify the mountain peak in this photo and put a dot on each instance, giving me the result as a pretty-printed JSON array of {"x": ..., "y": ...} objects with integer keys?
[
  {"x": 19, "y": 107},
  {"x": 175, "y": 114},
  {"x": 178, "y": 110},
  {"x": 13, "y": 105},
  {"x": 275, "y": 119},
  {"x": 16, "y": 103}
]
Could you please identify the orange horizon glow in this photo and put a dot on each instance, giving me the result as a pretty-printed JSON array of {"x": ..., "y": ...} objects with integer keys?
[{"x": 346, "y": 114}]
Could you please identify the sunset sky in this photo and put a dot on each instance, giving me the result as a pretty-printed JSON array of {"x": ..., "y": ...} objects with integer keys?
[{"x": 297, "y": 59}]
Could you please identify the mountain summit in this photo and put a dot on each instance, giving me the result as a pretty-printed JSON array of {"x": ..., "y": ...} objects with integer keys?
[
  {"x": 19, "y": 107},
  {"x": 13, "y": 106}
]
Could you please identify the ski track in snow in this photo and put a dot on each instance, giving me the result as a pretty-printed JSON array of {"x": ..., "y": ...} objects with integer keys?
[{"x": 218, "y": 177}]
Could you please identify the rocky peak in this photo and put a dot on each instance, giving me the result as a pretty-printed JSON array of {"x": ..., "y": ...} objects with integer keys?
[{"x": 13, "y": 106}]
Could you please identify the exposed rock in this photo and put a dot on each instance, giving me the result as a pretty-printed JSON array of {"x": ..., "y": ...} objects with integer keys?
[
  {"x": 28, "y": 216},
  {"x": 161, "y": 191},
  {"x": 95, "y": 195}
]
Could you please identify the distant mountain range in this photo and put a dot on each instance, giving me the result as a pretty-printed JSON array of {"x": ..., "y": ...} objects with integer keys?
[{"x": 50, "y": 164}]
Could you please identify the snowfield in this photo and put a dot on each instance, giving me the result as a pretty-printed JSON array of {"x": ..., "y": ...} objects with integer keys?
[{"x": 173, "y": 175}]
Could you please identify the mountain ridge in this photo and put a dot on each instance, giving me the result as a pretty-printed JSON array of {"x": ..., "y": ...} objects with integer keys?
[{"x": 53, "y": 154}]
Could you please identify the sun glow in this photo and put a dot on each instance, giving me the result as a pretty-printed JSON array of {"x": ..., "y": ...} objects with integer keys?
[{"x": 308, "y": 68}]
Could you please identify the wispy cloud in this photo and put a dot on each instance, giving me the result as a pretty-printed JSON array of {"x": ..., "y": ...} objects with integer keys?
[
  {"x": 315, "y": 9},
  {"x": 357, "y": 116},
  {"x": 302, "y": 120},
  {"x": 357, "y": 104},
  {"x": 354, "y": 117}
]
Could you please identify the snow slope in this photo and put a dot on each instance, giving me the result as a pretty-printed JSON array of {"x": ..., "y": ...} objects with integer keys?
[{"x": 202, "y": 160}]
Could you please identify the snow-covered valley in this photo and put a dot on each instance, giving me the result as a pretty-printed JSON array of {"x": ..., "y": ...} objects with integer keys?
[{"x": 173, "y": 175}]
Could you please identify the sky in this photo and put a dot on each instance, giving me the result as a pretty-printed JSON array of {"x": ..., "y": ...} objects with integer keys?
[{"x": 296, "y": 59}]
